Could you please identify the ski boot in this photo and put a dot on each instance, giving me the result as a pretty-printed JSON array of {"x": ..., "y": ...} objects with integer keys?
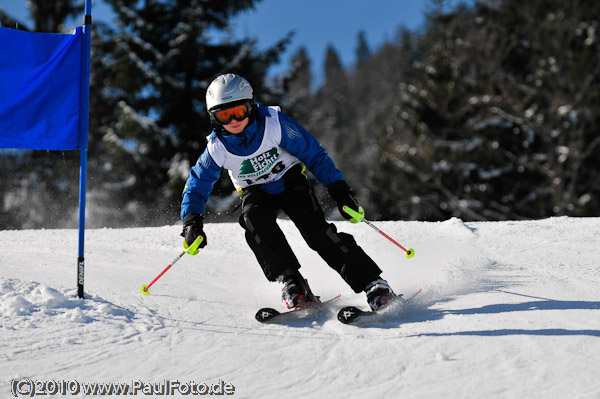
[
  {"x": 295, "y": 292},
  {"x": 378, "y": 293}
]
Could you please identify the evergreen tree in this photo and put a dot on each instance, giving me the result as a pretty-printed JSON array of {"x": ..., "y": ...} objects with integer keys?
[
  {"x": 157, "y": 66},
  {"x": 381, "y": 128},
  {"x": 496, "y": 112},
  {"x": 488, "y": 113},
  {"x": 332, "y": 99},
  {"x": 50, "y": 15},
  {"x": 363, "y": 52},
  {"x": 297, "y": 83}
]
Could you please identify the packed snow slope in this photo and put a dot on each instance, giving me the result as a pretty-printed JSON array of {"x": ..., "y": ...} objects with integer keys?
[{"x": 508, "y": 310}]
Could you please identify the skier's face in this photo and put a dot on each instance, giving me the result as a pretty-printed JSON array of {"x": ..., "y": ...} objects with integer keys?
[{"x": 236, "y": 127}]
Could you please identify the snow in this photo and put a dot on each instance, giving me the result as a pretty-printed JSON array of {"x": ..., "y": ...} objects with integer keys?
[{"x": 508, "y": 310}]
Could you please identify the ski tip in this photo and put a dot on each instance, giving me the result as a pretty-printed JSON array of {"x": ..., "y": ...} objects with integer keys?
[
  {"x": 349, "y": 314},
  {"x": 266, "y": 314}
]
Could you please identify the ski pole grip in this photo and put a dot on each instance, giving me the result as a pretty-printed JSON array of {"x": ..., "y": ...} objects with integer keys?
[
  {"x": 356, "y": 216},
  {"x": 193, "y": 249}
]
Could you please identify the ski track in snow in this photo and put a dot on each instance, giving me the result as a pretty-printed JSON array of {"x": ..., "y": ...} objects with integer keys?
[{"x": 508, "y": 310}]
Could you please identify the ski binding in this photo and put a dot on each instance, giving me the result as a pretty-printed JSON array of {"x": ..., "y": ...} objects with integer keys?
[
  {"x": 353, "y": 314},
  {"x": 270, "y": 315}
]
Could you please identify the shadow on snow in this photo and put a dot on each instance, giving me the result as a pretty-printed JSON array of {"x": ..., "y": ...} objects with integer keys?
[{"x": 540, "y": 304}]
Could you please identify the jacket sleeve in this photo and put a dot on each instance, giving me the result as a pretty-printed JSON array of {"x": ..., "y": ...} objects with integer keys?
[
  {"x": 300, "y": 143},
  {"x": 199, "y": 185}
]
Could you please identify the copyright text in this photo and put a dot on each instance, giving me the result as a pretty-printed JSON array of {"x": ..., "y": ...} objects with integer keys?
[{"x": 30, "y": 387}]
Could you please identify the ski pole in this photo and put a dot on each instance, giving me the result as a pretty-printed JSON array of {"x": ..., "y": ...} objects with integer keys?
[
  {"x": 192, "y": 250},
  {"x": 359, "y": 217}
]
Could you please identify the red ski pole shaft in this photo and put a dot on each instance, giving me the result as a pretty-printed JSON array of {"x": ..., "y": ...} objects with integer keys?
[
  {"x": 386, "y": 236},
  {"x": 192, "y": 250},
  {"x": 360, "y": 216},
  {"x": 164, "y": 271}
]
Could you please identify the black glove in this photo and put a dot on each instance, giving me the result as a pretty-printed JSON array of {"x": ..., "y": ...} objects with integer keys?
[
  {"x": 192, "y": 228},
  {"x": 341, "y": 193}
]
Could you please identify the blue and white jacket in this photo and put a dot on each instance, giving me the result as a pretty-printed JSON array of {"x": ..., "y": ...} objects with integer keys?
[{"x": 260, "y": 155}]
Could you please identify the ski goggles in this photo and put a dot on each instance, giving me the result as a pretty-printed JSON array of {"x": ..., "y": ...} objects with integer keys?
[{"x": 239, "y": 113}]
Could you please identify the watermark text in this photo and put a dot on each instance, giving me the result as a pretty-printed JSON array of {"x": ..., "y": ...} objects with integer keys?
[{"x": 31, "y": 387}]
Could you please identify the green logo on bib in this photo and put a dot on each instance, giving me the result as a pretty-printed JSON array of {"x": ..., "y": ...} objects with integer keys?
[{"x": 258, "y": 165}]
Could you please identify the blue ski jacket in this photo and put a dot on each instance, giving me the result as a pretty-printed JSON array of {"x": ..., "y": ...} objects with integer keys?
[{"x": 295, "y": 139}]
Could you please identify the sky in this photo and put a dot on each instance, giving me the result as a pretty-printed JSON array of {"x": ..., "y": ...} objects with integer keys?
[{"x": 317, "y": 24}]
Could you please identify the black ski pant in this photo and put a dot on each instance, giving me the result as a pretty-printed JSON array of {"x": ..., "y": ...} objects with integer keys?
[{"x": 298, "y": 201}]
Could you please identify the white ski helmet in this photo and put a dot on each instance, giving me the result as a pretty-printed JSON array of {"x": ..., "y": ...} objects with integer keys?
[{"x": 227, "y": 88}]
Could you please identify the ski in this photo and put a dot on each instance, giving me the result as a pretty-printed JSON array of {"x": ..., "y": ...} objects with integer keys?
[
  {"x": 270, "y": 315},
  {"x": 354, "y": 315}
]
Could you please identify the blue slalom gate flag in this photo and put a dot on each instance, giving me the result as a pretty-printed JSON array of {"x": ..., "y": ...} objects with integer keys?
[
  {"x": 45, "y": 99},
  {"x": 40, "y": 90}
]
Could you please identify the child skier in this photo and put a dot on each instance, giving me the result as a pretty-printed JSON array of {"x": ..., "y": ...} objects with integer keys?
[{"x": 267, "y": 154}]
